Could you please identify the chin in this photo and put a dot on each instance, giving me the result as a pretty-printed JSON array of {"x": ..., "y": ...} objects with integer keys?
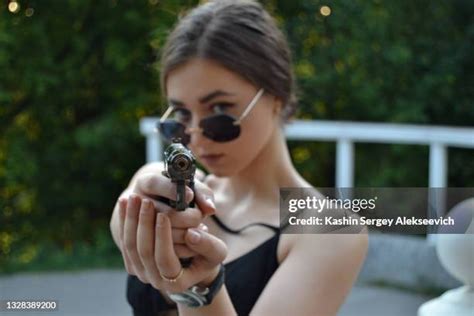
[{"x": 221, "y": 172}]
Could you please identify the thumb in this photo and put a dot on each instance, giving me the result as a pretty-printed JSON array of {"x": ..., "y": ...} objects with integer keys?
[
  {"x": 204, "y": 198},
  {"x": 213, "y": 249},
  {"x": 200, "y": 175}
]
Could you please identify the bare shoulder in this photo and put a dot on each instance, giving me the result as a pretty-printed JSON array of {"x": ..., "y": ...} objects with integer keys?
[
  {"x": 335, "y": 244},
  {"x": 327, "y": 245},
  {"x": 331, "y": 244},
  {"x": 326, "y": 265}
]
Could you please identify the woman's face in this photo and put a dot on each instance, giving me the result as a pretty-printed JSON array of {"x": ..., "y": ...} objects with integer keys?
[{"x": 200, "y": 88}]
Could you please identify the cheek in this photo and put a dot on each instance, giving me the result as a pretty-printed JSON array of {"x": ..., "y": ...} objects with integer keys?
[{"x": 253, "y": 137}]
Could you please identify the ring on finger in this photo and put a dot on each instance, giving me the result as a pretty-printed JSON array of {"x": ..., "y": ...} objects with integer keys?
[{"x": 173, "y": 280}]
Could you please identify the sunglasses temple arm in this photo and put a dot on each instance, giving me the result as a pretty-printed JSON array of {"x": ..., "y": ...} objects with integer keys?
[
  {"x": 166, "y": 114},
  {"x": 250, "y": 106}
]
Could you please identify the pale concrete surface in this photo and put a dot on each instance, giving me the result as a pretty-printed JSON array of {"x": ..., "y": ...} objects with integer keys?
[
  {"x": 102, "y": 292},
  {"x": 96, "y": 292},
  {"x": 372, "y": 300},
  {"x": 402, "y": 261}
]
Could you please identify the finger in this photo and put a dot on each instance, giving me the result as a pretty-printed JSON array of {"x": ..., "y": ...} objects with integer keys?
[
  {"x": 183, "y": 251},
  {"x": 130, "y": 235},
  {"x": 146, "y": 239},
  {"x": 160, "y": 206},
  {"x": 200, "y": 175},
  {"x": 180, "y": 248},
  {"x": 177, "y": 235},
  {"x": 207, "y": 245},
  {"x": 191, "y": 217},
  {"x": 204, "y": 198},
  {"x": 153, "y": 184},
  {"x": 166, "y": 260},
  {"x": 122, "y": 214},
  {"x": 203, "y": 227}
]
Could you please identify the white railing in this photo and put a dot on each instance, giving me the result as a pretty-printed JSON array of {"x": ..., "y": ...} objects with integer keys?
[{"x": 346, "y": 134}]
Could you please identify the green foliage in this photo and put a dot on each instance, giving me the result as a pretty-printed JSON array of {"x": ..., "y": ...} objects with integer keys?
[
  {"x": 76, "y": 76},
  {"x": 384, "y": 61}
]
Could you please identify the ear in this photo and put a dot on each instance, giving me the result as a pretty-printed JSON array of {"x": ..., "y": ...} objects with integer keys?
[{"x": 277, "y": 105}]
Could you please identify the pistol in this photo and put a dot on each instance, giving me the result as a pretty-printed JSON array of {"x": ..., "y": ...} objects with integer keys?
[{"x": 180, "y": 167}]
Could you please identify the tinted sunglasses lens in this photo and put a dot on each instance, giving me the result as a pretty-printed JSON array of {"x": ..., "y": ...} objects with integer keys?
[
  {"x": 170, "y": 130},
  {"x": 220, "y": 128}
]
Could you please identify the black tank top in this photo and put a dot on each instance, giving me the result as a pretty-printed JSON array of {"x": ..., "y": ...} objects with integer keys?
[{"x": 245, "y": 277}]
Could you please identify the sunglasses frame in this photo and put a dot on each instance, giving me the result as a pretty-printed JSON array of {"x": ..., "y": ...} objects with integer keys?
[{"x": 237, "y": 121}]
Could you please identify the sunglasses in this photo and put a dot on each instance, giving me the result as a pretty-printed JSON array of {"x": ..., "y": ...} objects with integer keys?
[{"x": 220, "y": 127}]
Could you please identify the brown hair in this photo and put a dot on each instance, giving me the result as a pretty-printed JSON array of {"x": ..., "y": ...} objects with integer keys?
[{"x": 242, "y": 37}]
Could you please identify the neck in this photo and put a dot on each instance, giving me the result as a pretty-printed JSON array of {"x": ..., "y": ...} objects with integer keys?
[{"x": 271, "y": 170}]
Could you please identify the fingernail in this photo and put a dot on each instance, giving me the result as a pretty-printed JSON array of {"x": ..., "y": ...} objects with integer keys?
[
  {"x": 194, "y": 236},
  {"x": 146, "y": 204},
  {"x": 133, "y": 198},
  {"x": 203, "y": 227},
  {"x": 160, "y": 219},
  {"x": 210, "y": 202}
]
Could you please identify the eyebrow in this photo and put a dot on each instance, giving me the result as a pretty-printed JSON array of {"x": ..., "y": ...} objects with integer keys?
[{"x": 204, "y": 99}]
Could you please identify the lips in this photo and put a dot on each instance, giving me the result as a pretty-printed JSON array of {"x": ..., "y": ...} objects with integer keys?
[{"x": 211, "y": 158}]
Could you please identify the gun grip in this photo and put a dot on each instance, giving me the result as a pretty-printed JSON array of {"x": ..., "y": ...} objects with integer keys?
[
  {"x": 181, "y": 193},
  {"x": 186, "y": 262},
  {"x": 191, "y": 185},
  {"x": 174, "y": 204}
]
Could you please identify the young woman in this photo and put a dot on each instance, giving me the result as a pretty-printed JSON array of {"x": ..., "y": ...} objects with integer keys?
[{"x": 226, "y": 73}]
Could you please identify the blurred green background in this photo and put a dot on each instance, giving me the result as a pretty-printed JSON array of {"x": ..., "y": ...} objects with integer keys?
[{"x": 76, "y": 76}]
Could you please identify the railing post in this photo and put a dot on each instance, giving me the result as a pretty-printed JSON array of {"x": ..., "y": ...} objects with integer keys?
[
  {"x": 344, "y": 163},
  {"x": 437, "y": 183},
  {"x": 438, "y": 166},
  {"x": 153, "y": 148},
  {"x": 153, "y": 141}
]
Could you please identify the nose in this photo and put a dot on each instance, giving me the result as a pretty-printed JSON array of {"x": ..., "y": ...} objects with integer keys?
[
  {"x": 190, "y": 130},
  {"x": 193, "y": 127},
  {"x": 197, "y": 139}
]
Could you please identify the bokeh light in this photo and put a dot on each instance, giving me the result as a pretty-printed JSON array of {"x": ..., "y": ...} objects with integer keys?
[
  {"x": 14, "y": 7},
  {"x": 325, "y": 10},
  {"x": 29, "y": 12}
]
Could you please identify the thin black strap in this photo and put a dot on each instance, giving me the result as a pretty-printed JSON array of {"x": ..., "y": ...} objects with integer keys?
[{"x": 236, "y": 232}]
